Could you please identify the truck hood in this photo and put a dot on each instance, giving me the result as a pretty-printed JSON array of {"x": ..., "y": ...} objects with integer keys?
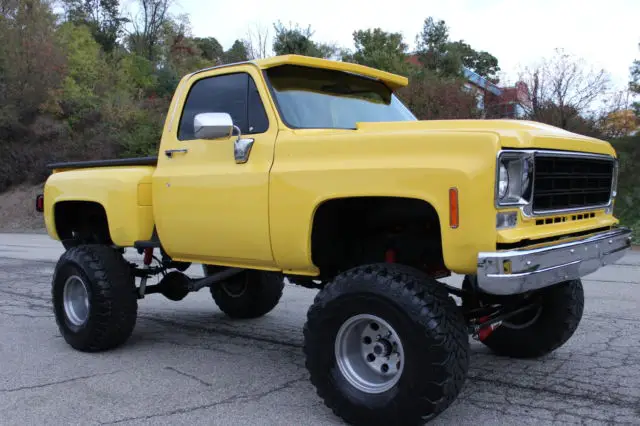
[{"x": 512, "y": 133}]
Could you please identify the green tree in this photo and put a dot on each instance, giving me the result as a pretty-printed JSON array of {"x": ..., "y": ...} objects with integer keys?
[
  {"x": 31, "y": 65},
  {"x": 148, "y": 27},
  {"x": 101, "y": 16},
  {"x": 181, "y": 52},
  {"x": 379, "y": 49},
  {"x": 210, "y": 47},
  {"x": 236, "y": 53},
  {"x": 434, "y": 49},
  {"x": 446, "y": 58},
  {"x": 135, "y": 74},
  {"x": 431, "y": 97},
  {"x": 482, "y": 63},
  {"x": 634, "y": 84},
  {"x": 295, "y": 40},
  {"x": 85, "y": 69}
]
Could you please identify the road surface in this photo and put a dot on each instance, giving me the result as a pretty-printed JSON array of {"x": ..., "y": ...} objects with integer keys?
[{"x": 187, "y": 364}]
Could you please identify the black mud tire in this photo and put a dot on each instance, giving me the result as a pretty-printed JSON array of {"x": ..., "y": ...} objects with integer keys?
[
  {"x": 249, "y": 294},
  {"x": 432, "y": 331},
  {"x": 113, "y": 303},
  {"x": 540, "y": 331}
]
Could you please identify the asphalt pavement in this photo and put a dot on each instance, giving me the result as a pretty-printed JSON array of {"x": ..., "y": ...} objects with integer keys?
[{"x": 186, "y": 363}]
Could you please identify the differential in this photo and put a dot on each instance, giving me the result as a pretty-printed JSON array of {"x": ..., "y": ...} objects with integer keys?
[{"x": 174, "y": 286}]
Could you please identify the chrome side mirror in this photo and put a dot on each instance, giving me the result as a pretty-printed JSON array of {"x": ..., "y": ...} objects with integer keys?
[
  {"x": 217, "y": 125},
  {"x": 212, "y": 125}
]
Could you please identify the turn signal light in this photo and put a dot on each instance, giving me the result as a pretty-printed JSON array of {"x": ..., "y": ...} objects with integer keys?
[{"x": 454, "y": 215}]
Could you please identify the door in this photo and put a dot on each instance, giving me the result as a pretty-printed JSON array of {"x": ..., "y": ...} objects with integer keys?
[{"x": 208, "y": 207}]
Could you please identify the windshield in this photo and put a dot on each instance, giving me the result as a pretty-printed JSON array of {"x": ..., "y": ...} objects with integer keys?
[{"x": 319, "y": 98}]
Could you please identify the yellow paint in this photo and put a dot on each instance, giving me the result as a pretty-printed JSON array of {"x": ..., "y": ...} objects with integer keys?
[
  {"x": 259, "y": 215},
  {"x": 314, "y": 166},
  {"x": 207, "y": 208},
  {"x": 145, "y": 197},
  {"x": 115, "y": 188},
  {"x": 528, "y": 229},
  {"x": 394, "y": 81}
]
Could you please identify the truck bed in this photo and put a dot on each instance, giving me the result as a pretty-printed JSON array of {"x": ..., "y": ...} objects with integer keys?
[{"x": 134, "y": 161}]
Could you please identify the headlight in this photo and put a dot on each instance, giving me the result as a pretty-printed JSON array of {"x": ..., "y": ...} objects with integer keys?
[
  {"x": 515, "y": 172},
  {"x": 503, "y": 181},
  {"x": 614, "y": 180}
]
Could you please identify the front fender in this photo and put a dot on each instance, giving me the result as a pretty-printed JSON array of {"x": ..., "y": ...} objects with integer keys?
[{"x": 313, "y": 166}]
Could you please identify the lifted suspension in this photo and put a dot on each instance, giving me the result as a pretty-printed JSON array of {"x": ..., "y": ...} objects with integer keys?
[
  {"x": 174, "y": 285},
  {"x": 483, "y": 321}
]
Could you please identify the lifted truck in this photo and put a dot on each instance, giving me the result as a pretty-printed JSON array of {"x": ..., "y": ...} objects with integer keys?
[{"x": 313, "y": 170}]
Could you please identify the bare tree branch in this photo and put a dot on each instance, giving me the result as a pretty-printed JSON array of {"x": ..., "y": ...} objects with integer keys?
[
  {"x": 147, "y": 29},
  {"x": 257, "y": 41},
  {"x": 562, "y": 88}
]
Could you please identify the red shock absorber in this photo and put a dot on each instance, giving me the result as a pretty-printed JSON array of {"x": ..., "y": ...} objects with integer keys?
[
  {"x": 148, "y": 256},
  {"x": 485, "y": 331},
  {"x": 390, "y": 256}
]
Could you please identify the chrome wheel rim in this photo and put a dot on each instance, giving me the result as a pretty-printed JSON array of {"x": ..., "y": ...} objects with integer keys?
[
  {"x": 75, "y": 298},
  {"x": 369, "y": 353}
]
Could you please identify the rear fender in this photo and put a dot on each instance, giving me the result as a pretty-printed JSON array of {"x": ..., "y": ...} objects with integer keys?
[{"x": 123, "y": 192}]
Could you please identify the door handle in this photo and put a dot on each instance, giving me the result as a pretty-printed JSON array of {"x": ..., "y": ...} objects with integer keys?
[{"x": 169, "y": 152}]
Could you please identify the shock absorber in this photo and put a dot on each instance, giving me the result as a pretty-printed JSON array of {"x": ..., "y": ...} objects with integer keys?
[
  {"x": 148, "y": 257},
  {"x": 390, "y": 256}
]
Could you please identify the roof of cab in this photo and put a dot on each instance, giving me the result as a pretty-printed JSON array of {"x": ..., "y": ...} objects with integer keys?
[{"x": 394, "y": 81}]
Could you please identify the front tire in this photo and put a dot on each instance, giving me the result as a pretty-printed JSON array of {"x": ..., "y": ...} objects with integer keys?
[
  {"x": 94, "y": 298},
  {"x": 416, "y": 369},
  {"x": 248, "y": 294},
  {"x": 554, "y": 318}
]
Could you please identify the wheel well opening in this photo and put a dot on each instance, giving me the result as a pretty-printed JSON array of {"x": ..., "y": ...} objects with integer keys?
[
  {"x": 84, "y": 221},
  {"x": 354, "y": 231}
]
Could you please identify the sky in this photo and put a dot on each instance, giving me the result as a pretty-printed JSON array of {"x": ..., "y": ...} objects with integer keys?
[{"x": 518, "y": 32}]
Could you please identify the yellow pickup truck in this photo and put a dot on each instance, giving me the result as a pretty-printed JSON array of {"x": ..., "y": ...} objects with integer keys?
[{"x": 313, "y": 172}]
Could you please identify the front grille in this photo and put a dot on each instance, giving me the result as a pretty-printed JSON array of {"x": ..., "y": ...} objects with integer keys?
[{"x": 562, "y": 183}]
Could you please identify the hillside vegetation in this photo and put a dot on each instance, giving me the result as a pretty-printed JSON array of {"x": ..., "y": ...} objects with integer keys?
[
  {"x": 90, "y": 82},
  {"x": 628, "y": 204}
]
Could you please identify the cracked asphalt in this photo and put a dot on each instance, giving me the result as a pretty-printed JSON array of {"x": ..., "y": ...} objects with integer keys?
[{"x": 186, "y": 363}]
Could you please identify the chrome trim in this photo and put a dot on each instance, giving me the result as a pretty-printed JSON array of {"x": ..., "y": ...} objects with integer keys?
[
  {"x": 533, "y": 269},
  {"x": 169, "y": 152},
  {"x": 520, "y": 154},
  {"x": 527, "y": 207},
  {"x": 215, "y": 67},
  {"x": 242, "y": 150},
  {"x": 187, "y": 77},
  {"x": 529, "y": 213},
  {"x": 213, "y": 125}
]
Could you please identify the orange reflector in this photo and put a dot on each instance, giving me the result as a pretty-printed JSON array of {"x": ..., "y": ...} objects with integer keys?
[{"x": 453, "y": 208}]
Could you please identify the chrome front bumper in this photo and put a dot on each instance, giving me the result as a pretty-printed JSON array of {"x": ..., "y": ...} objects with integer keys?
[{"x": 519, "y": 271}]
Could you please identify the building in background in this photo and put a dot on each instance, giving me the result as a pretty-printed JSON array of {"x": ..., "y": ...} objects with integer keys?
[
  {"x": 495, "y": 101},
  {"x": 511, "y": 102}
]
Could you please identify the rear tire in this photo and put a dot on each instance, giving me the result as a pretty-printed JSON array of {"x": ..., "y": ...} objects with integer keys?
[
  {"x": 540, "y": 331},
  {"x": 248, "y": 294},
  {"x": 418, "y": 370},
  {"x": 94, "y": 298}
]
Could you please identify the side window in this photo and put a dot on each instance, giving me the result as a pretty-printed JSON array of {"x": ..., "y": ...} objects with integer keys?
[
  {"x": 258, "y": 121},
  {"x": 223, "y": 93}
]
